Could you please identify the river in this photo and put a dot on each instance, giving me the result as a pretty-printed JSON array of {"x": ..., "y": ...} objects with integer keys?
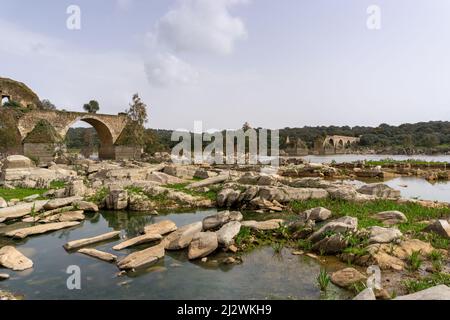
[
  {"x": 341, "y": 158},
  {"x": 262, "y": 275}
]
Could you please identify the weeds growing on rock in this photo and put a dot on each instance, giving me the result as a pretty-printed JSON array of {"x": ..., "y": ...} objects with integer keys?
[
  {"x": 414, "y": 261},
  {"x": 323, "y": 280},
  {"x": 427, "y": 282}
]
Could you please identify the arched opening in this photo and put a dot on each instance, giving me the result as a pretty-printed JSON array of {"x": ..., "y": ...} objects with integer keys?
[
  {"x": 331, "y": 142},
  {"x": 5, "y": 99},
  {"x": 90, "y": 138},
  {"x": 341, "y": 144}
]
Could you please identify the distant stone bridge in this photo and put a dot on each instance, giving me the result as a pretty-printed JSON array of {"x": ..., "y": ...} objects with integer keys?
[
  {"x": 108, "y": 127},
  {"x": 334, "y": 144}
]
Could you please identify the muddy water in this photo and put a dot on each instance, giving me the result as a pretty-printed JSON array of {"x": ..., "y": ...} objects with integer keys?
[{"x": 262, "y": 275}]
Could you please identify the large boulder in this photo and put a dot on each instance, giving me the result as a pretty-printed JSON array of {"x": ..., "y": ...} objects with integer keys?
[
  {"x": 391, "y": 217},
  {"x": 75, "y": 188},
  {"x": 317, "y": 214},
  {"x": 383, "y": 235},
  {"x": 141, "y": 259},
  {"x": 440, "y": 227},
  {"x": 349, "y": 193},
  {"x": 228, "y": 232},
  {"x": 117, "y": 199},
  {"x": 227, "y": 197},
  {"x": 85, "y": 206},
  {"x": 217, "y": 220},
  {"x": 366, "y": 294},
  {"x": 287, "y": 194},
  {"x": 440, "y": 292},
  {"x": 339, "y": 226},
  {"x": 203, "y": 243},
  {"x": 17, "y": 162},
  {"x": 182, "y": 237},
  {"x": 272, "y": 224},
  {"x": 380, "y": 190},
  {"x": 331, "y": 245},
  {"x": 163, "y": 178},
  {"x": 162, "y": 227},
  {"x": 13, "y": 259},
  {"x": 347, "y": 277},
  {"x": 61, "y": 202}
]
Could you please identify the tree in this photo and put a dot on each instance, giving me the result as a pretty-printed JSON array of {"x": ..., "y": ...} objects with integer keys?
[
  {"x": 91, "y": 107},
  {"x": 138, "y": 116},
  {"x": 46, "y": 105}
]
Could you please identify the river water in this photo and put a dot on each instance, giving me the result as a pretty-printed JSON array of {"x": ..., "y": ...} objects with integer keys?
[
  {"x": 341, "y": 158},
  {"x": 262, "y": 275}
]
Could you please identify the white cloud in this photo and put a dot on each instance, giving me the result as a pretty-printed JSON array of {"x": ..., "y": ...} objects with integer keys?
[
  {"x": 165, "y": 69},
  {"x": 201, "y": 25},
  {"x": 192, "y": 26}
]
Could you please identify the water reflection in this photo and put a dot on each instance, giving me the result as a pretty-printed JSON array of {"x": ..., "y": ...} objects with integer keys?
[{"x": 261, "y": 275}]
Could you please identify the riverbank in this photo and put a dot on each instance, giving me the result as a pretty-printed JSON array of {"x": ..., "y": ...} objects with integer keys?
[{"x": 299, "y": 216}]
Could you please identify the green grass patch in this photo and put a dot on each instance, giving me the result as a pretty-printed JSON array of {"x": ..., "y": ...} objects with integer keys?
[
  {"x": 412, "y": 162},
  {"x": 181, "y": 187},
  {"x": 427, "y": 282},
  {"x": 99, "y": 196},
  {"x": 364, "y": 212},
  {"x": 57, "y": 184},
  {"x": 19, "y": 193}
]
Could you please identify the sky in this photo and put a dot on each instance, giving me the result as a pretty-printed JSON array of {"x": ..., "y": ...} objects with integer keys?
[{"x": 275, "y": 64}]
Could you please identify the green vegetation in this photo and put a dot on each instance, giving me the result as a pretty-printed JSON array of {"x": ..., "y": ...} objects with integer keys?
[
  {"x": 412, "y": 162},
  {"x": 414, "y": 261},
  {"x": 364, "y": 211},
  {"x": 437, "y": 259},
  {"x": 427, "y": 282},
  {"x": 211, "y": 194},
  {"x": 99, "y": 196},
  {"x": 43, "y": 131},
  {"x": 57, "y": 184},
  {"x": 91, "y": 107},
  {"x": 19, "y": 193},
  {"x": 323, "y": 280}
]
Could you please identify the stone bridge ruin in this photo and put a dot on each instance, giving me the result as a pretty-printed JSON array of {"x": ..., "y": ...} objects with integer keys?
[
  {"x": 334, "y": 144},
  {"x": 43, "y": 131}
]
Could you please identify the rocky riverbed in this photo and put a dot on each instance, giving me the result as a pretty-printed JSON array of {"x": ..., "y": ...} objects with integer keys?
[{"x": 299, "y": 208}]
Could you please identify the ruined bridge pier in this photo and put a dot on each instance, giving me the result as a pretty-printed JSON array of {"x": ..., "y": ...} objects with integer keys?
[{"x": 108, "y": 128}]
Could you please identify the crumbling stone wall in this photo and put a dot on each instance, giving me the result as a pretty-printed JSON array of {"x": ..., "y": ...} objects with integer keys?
[{"x": 19, "y": 92}]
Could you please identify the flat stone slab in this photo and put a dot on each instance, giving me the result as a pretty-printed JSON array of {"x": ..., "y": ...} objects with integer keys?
[
  {"x": 441, "y": 292},
  {"x": 65, "y": 216},
  {"x": 203, "y": 243},
  {"x": 148, "y": 237},
  {"x": 75, "y": 244},
  {"x": 61, "y": 202},
  {"x": 43, "y": 228},
  {"x": 13, "y": 259},
  {"x": 142, "y": 258},
  {"x": 20, "y": 210},
  {"x": 104, "y": 256},
  {"x": 162, "y": 227},
  {"x": 262, "y": 225},
  {"x": 181, "y": 238},
  {"x": 4, "y": 276}
]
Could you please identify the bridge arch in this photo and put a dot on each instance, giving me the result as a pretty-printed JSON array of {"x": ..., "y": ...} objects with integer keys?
[
  {"x": 108, "y": 127},
  {"x": 104, "y": 133}
]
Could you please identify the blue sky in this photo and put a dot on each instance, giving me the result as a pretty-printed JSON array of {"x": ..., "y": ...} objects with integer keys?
[{"x": 272, "y": 63}]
